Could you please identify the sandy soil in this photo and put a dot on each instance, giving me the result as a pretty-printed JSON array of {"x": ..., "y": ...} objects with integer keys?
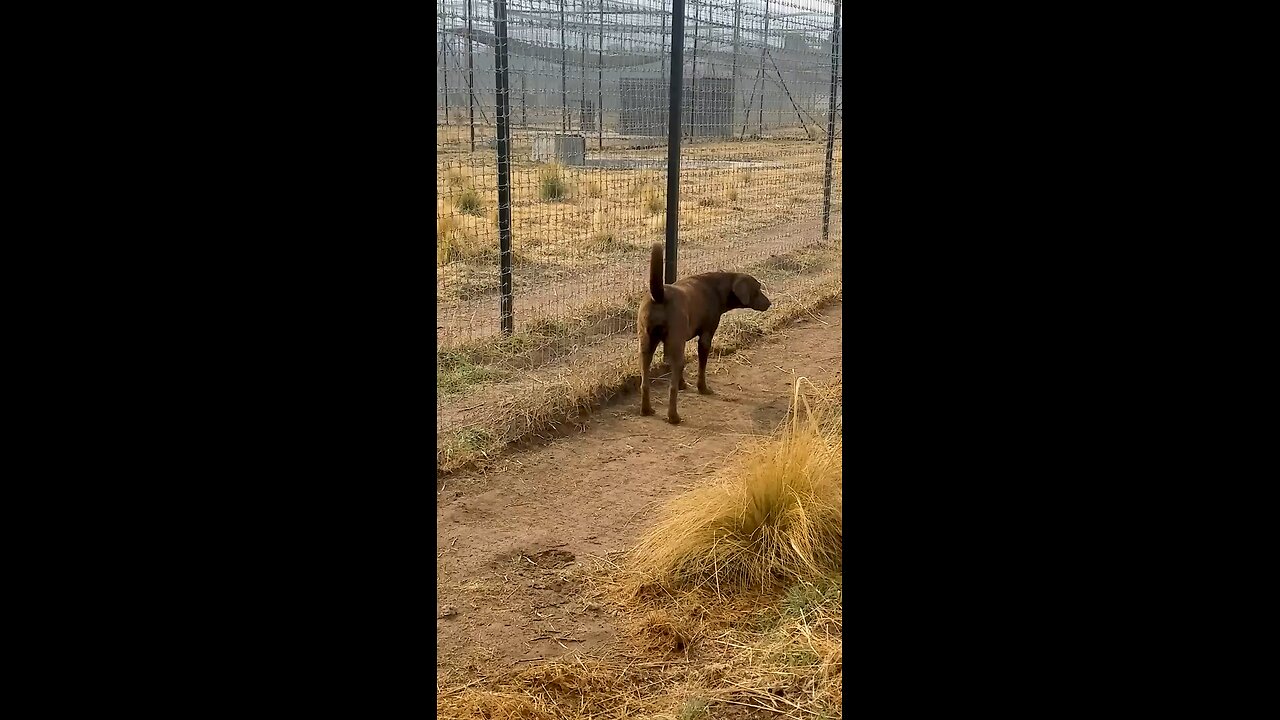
[{"x": 512, "y": 541}]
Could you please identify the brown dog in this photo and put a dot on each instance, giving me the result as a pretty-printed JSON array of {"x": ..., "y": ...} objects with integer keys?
[{"x": 675, "y": 314}]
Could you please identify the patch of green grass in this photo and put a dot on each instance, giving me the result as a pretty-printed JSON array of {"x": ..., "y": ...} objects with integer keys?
[
  {"x": 693, "y": 708},
  {"x": 805, "y": 597},
  {"x": 473, "y": 439},
  {"x": 486, "y": 350},
  {"x": 802, "y": 657},
  {"x": 469, "y": 202},
  {"x": 457, "y": 373}
]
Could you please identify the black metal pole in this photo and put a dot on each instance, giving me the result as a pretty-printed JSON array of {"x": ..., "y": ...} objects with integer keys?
[
  {"x": 765, "y": 46},
  {"x": 471, "y": 81},
  {"x": 782, "y": 84},
  {"x": 600, "y": 83},
  {"x": 831, "y": 123},
  {"x": 663, "y": 50},
  {"x": 506, "y": 303},
  {"x": 673, "y": 137},
  {"x": 444, "y": 57},
  {"x": 693, "y": 78},
  {"x": 746, "y": 119},
  {"x": 737, "y": 46},
  {"x": 582, "y": 68},
  {"x": 524, "y": 117},
  {"x": 564, "y": 77}
]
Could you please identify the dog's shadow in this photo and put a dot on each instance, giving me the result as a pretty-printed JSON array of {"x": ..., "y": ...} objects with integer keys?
[{"x": 660, "y": 375}]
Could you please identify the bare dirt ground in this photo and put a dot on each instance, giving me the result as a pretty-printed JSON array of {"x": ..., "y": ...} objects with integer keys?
[{"x": 510, "y": 539}]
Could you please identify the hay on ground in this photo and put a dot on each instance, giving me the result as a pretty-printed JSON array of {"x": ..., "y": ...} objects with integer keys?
[{"x": 774, "y": 520}]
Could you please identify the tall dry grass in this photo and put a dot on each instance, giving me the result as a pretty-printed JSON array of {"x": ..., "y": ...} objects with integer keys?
[
  {"x": 775, "y": 519},
  {"x": 552, "y": 184}
]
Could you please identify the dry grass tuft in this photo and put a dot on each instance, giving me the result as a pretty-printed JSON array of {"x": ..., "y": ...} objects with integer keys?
[
  {"x": 603, "y": 237},
  {"x": 557, "y": 679},
  {"x": 657, "y": 225},
  {"x": 655, "y": 204},
  {"x": 551, "y": 183},
  {"x": 455, "y": 177},
  {"x": 549, "y": 691},
  {"x": 774, "y": 520},
  {"x": 446, "y": 225},
  {"x": 648, "y": 181},
  {"x": 747, "y": 176},
  {"x": 490, "y": 705},
  {"x": 664, "y": 633},
  {"x": 652, "y": 200},
  {"x": 457, "y": 239},
  {"x": 732, "y": 195},
  {"x": 594, "y": 189}
]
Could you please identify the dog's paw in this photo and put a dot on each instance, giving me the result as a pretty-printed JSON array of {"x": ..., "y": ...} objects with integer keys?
[
  {"x": 704, "y": 390},
  {"x": 673, "y": 419},
  {"x": 646, "y": 411}
]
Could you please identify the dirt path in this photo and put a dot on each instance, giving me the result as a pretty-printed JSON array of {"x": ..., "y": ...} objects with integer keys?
[{"x": 510, "y": 539}]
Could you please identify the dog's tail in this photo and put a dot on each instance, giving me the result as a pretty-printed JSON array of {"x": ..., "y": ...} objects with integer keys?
[{"x": 655, "y": 273}]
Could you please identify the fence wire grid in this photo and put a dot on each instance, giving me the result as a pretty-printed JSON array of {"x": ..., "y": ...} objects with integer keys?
[{"x": 587, "y": 110}]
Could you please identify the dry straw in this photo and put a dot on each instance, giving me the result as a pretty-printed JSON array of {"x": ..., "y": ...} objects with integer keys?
[{"x": 775, "y": 519}]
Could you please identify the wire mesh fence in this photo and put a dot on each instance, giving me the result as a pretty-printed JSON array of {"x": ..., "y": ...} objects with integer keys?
[{"x": 587, "y": 109}]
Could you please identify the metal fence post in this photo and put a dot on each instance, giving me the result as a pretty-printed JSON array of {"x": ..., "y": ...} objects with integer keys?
[
  {"x": 600, "y": 83},
  {"x": 564, "y": 77},
  {"x": 737, "y": 48},
  {"x": 444, "y": 56},
  {"x": 693, "y": 79},
  {"x": 663, "y": 51},
  {"x": 673, "y": 137},
  {"x": 831, "y": 123},
  {"x": 506, "y": 302},
  {"x": 471, "y": 80},
  {"x": 764, "y": 47}
]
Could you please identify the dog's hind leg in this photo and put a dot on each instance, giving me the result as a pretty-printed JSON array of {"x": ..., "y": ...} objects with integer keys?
[
  {"x": 704, "y": 352},
  {"x": 675, "y": 356},
  {"x": 647, "y": 349}
]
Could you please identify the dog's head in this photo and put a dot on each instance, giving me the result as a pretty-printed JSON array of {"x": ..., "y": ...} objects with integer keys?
[{"x": 749, "y": 293}]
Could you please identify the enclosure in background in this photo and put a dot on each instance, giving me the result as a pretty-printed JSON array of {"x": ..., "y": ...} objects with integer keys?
[{"x": 588, "y": 112}]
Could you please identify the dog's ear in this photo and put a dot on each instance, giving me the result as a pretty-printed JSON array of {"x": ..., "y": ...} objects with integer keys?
[{"x": 744, "y": 288}]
